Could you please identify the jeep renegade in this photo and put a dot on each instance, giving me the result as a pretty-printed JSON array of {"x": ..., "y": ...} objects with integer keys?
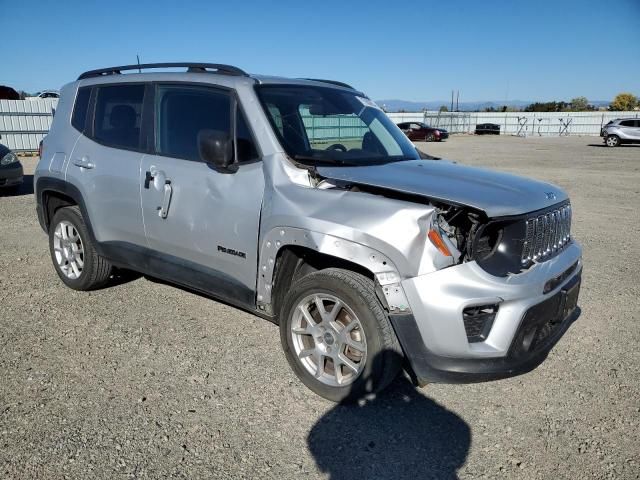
[{"x": 300, "y": 201}]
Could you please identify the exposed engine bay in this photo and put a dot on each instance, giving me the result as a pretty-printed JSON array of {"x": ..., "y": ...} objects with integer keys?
[{"x": 495, "y": 243}]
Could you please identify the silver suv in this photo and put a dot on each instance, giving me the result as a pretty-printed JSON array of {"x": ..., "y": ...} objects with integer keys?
[
  {"x": 621, "y": 130},
  {"x": 300, "y": 201}
]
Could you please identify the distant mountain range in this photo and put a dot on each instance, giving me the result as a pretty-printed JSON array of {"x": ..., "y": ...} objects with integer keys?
[{"x": 407, "y": 106}]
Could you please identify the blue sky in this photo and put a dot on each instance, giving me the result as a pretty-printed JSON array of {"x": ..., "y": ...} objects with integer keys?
[{"x": 410, "y": 50}]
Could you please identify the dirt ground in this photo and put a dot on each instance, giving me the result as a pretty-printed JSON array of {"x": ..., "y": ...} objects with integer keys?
[{"x": 143, "y": 380}]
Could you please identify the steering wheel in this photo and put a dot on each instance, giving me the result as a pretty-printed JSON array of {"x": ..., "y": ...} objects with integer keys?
[{"x": 337, "y": 146}]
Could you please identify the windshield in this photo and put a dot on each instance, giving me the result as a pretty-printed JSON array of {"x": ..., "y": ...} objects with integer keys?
[{"x": 326, "y": 125}]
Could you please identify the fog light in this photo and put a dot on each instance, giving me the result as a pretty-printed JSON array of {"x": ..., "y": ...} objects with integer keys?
[{"x": 478, "y": 321}]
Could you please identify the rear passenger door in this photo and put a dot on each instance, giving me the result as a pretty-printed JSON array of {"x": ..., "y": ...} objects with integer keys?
[
  {"x": 105, "y": 163},
  {"x": 202, "y": 223}
]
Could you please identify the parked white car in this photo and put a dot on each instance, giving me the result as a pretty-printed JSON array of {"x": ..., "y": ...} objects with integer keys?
[{"x": 621, "y": 130}]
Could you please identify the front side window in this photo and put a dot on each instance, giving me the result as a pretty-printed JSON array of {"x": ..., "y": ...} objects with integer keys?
[
  {"x": 183, "y": 112},
  {"x": 627, "y": 123},
  {"x": 329, "y": 125},
  {"x": 118, "y": 116}
]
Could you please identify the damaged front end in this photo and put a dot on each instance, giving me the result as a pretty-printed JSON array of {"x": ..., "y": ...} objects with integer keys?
[{"x": 501, "y": 246}]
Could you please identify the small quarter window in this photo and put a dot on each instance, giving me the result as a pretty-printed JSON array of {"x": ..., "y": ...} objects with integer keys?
[
  {"x": 79, "y": 117},
  {"x": 246, "y": 148}
]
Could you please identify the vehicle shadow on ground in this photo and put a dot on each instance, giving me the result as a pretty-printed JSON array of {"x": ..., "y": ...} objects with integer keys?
[
  {"x": 120, "y": 276},
  {"x": 399, "y": 434},
  {"x": 25, "y": 189}
]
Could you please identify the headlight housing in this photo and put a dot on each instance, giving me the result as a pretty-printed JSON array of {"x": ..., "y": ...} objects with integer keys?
[{"x": 8, "y": 159}]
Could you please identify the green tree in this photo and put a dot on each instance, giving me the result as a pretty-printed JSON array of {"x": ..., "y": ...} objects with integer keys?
[
  {"x": 443, "y": 108},
  {"x": 579, "y": 104},
  {"x": 624, "y": 101}
]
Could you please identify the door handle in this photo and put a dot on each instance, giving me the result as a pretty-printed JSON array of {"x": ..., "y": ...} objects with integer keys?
[
  {"x": 83, "y": 163},
  {"x": 158, "y": 177},
  {"x": 163, "y": 211}
]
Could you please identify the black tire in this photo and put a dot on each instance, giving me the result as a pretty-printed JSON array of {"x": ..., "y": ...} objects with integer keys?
[
  {"x": 612, "y": 141},
  {"x": 384, "y": 355},
  {"x": 96, "y": 270},
  {"x": 430, "y": 138}
]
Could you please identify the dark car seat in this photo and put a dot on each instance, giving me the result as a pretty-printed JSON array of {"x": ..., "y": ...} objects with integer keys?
[
  {"x": 123, "y": 121},
  {"x": 371, "y": 144}
]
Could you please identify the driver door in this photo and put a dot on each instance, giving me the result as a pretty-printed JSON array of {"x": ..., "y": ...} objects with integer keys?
[{"x": 201, "y": 223}]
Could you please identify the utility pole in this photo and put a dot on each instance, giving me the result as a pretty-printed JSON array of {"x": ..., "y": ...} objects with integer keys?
[
  {"x": 457, "y": 101},
  {"x": 451, "y": 101},
  {"x": 138, "y": 58}
]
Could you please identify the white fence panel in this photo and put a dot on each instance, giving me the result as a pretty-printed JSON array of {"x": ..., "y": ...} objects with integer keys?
[
  {"x": 518, "y": 123},
  {"x": 23, "y": 123}
]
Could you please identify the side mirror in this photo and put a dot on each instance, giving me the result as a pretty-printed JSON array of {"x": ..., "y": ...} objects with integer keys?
[{"x": 216, "y": 148}]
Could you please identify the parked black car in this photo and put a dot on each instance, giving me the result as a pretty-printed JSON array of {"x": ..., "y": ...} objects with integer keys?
[
  {"x": 10, "y": 169},
  {"x": 487, "y": 129}
]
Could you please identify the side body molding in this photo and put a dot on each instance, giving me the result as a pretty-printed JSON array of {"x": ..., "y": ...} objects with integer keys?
[{"x": 384, "y": 270}]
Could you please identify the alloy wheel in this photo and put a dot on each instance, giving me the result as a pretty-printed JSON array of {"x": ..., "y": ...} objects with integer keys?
[
  {"x": 328, "y": 339},
  {"x": 68, "y": 250}
]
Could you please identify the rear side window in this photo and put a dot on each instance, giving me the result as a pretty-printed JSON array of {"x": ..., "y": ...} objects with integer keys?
[
  {"x": 118, "y": 116},
  {"x": 79, "y": 117},
  {"x": 183, "y": 112}
]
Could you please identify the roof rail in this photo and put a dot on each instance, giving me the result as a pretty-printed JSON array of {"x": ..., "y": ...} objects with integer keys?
[
  {"x": 191, "y": 67},
  {"x": 332, "y": 82}
]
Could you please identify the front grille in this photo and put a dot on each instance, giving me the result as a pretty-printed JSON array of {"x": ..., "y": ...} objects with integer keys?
[{"x": 547, "y": 234}]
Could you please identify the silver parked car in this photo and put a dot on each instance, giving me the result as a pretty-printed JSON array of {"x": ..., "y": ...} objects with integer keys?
[
  {"x": 302, "y": 202},
  {"x": 621, "y": 130}
]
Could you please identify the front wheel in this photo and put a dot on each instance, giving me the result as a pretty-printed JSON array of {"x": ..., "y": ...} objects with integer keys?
[
  {"x": 430, "y": 138},
  {"x": 337, "y": 337},
  {"x": 612, "y": 141}
]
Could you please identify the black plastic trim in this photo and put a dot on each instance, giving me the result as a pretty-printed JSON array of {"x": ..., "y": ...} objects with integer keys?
[
  {"x": 219, "y": 68},
  {"x": 47, "y": 184},
  {"x": 179, "y": 271},
  {"x": 331, "y": 82}
]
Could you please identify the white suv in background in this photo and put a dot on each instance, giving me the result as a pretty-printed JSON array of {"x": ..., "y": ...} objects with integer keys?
[{"x": 621, "y": 130}]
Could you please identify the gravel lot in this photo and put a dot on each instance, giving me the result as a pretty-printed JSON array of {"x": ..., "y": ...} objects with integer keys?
[{"x": 145, "y": 380}]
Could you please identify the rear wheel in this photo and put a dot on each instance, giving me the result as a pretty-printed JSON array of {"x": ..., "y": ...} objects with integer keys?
[
  {"x": 337, "y": 337},
  {"x": 74, "y": 257},
  {"x": 612, "y": 141}
]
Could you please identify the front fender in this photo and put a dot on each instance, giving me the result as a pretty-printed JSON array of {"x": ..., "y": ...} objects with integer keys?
[{"x": 380, "y": 265}]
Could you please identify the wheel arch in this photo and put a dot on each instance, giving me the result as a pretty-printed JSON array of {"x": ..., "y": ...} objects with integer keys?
[
  {"x": 53, "y": 194},
  {"x": 289, "y": 253}
]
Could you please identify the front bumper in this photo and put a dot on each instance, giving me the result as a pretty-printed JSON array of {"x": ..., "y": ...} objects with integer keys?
[
  {"x": 527, "y": 325},
  {"x": 11, "y": 175}
]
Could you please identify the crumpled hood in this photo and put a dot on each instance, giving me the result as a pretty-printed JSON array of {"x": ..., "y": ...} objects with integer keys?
[{"x": 497, "y": 194}]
